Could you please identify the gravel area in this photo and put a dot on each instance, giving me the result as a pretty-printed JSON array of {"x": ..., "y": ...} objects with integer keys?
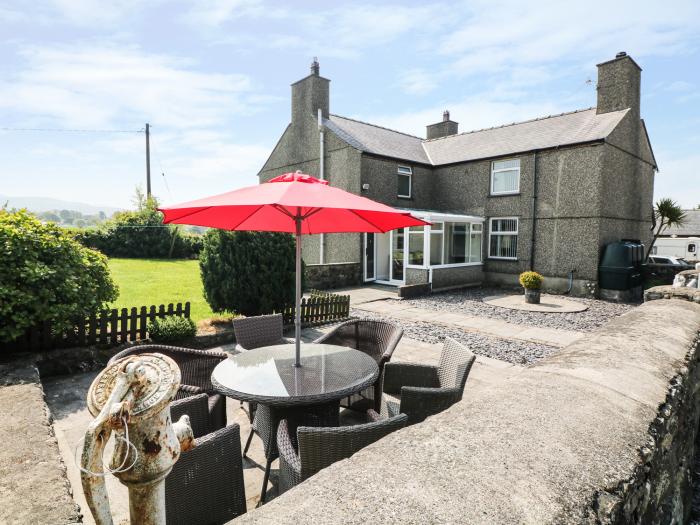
[
  {"x": 470, "y": 301},
  {"x": 517, "y": 352}
]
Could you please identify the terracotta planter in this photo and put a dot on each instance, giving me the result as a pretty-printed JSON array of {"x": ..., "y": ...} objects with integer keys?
[{"x": 532, "y": 295}]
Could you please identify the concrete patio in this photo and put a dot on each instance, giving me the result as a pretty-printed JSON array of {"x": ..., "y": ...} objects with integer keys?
[{"x": 65, "y": 396}]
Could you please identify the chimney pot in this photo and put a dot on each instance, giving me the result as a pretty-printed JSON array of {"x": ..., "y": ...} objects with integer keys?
[
  {"x": 445, "y": 128},
  {"x": 315, "y": 67}
]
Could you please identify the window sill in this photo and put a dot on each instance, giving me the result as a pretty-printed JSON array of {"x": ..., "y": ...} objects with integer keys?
[
  {"x": 508, "y": 194},
  {"x": 404, "y": 197},
  {"x": 513, "y": 259},
  {"x": 441, "y": 266}
]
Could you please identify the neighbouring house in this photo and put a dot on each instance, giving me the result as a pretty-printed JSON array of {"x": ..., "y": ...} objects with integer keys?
[
  {"x": 546, "y": 194},
  {"x": 689, "y": 228}
]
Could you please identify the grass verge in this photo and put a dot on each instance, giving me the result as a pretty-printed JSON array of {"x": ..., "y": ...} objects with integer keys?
[{"x": 143, "y": 282}]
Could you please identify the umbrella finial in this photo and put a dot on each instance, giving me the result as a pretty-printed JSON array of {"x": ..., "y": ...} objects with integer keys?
[{"x": 315, "y": 67}]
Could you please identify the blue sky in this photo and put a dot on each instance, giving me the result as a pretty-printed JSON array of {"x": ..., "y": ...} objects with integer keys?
[{"x": 212, "y": 78}]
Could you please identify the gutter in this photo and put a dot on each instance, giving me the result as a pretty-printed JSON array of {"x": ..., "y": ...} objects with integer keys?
[
  {"x": 534, "y": 212},
  {"x": 322, "y": 176}
]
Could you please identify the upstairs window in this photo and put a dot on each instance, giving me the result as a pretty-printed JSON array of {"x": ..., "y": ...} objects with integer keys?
[
  {"x": 405, "y": 174},
  {"x": 505, "y": 177},
  {"x": 503, "y": 238}
]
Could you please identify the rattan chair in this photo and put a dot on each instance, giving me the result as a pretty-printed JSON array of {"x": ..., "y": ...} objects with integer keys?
[
  {"x": 256, "y": 332},
  {"x": 259, "y": 331},
  {"x": 378, "y": 339},
  {"x": 424, "y": 390},
  {"x": 196, "y": 367},
  {"x": 206, "y": 483},
  {"x": 311, "y": 449}
]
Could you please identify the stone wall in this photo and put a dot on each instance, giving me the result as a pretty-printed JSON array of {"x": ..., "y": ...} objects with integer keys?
[
  {"x": 602, "y": 432},
  {"x": 457, "y": 276},
  {"x": 33, "y": 484},
  {"x": 669, "y": 292},
  {"x": 334, "y": 275}
]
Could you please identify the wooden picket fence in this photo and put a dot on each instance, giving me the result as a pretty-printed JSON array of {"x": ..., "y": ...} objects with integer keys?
[
  {"x": 319, "y": 308},
  {"x": 108, "y": 328}
]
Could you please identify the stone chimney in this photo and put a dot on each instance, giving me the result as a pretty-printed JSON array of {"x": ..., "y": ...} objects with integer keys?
[
  {"x": 309, "y": 94},
  {"x": 619, "y": 84},
  {"x": 442, "y": 129}
]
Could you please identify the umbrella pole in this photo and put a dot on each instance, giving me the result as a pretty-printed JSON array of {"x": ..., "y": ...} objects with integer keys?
[{"x": 297, "y": 310}]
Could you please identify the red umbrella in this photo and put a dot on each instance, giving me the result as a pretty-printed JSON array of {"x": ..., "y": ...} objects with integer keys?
[{"x": 295, "y": 203}]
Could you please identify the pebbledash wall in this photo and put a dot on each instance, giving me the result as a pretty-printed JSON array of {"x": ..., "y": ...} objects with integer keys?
[
  {"x": 603, "y": 432},
  {"x": 584, "y": 197}
]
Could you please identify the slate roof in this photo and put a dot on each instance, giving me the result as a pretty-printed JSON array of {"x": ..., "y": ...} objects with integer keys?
[
  {"x": 376, "y": 139},
  {"x": 557, "y": 130},
  {"x": 691, "y": 227}
]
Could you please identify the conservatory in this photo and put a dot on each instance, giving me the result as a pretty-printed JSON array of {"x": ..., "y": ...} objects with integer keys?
[{"x": 450, "y": 248}]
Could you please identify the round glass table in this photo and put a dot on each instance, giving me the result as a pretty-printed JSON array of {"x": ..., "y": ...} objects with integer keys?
[
  {"x": 309, "y": 394},
  {"x": 267, "y": 375}
]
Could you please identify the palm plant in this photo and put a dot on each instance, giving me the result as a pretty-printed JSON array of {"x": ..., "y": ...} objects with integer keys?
[{"x": 666, "y": 214}]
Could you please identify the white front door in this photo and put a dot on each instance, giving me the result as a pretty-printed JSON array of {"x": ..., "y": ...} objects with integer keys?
[
  {"x": 370, "y": 257},
  {"x": 385, "y": 257}
]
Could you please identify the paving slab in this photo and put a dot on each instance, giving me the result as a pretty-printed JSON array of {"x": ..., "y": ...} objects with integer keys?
[
  {"x": 551, "y": 304},
  {"x": 365, "y": 294}
]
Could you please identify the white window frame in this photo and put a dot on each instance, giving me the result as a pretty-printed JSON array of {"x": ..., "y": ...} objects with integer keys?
[
  {"x": 406, "y": 171},
  {"x": 509, "y": 233},
  {"x": 407, "y": 239},
  {"x": 494, "y": 171}
]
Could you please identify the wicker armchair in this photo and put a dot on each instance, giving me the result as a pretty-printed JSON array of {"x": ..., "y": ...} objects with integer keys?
[
  {"x": 196, "y": 367},
  {"x": 378, "y": 339},
  {"x": 426, "y": 390},
  {"x": 312, "y": 449},
  {"x": 206, "y": 483},
  {"x": 256, "y": 332}
]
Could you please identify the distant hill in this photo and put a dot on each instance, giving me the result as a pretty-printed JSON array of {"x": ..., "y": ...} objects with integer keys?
[{"x": 39, "y": 204}]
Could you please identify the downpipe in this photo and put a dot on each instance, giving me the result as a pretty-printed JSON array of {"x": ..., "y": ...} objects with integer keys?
[
  {"x": 571, "y": 282},
  {"x": 322, "y": 176}
]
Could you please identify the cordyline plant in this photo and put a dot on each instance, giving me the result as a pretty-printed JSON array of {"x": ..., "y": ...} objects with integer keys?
[
  {"x": 531, "y": 280},
  {"x": 666, "y": 214},
  {"x": 46, "y": 276}
]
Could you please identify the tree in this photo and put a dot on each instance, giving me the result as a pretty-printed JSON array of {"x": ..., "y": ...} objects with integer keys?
[
  {"x": 45, "y": 275},
  {"x": 666, "y": 214},
  {"x": 251, "y": 273}
]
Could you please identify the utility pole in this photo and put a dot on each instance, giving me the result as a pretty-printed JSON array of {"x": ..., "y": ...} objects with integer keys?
[{"x": 148, "y": 160}]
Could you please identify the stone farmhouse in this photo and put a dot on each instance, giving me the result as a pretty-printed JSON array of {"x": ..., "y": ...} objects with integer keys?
[{"x": 546, "y": 194}]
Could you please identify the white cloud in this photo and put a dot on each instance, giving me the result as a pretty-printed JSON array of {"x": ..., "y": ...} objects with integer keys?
[
  {"x": 193, "y": 112},
  {"x": 472, "y": 114},
  {"x": 498, "y": 33},
  {"x": 215, "y": 12},
  {"x": 96, "y": 12},
  {"x": 418, "y": 81},
  {"x": 81, "y": 86},
  {"x": 339, "y": 32}
]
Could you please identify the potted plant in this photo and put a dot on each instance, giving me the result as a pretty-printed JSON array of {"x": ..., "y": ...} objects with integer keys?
[{"x": 531, "y": 282}]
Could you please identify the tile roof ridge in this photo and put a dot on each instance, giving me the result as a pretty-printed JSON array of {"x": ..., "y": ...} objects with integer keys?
[
  {"x": 513, "y": 124},
  {"x": 376, "y": 126}
]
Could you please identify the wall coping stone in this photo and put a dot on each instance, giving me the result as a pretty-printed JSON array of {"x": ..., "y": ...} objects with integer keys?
[
  {"x": 332, "y": 264},
  {"x": 669, "y": 292},
  {"x": 574, "y": 438}
]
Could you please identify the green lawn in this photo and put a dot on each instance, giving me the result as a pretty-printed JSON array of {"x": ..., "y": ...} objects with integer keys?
[{"x": 143, "y": 282}]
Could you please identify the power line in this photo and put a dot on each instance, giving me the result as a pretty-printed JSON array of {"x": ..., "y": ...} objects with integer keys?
[{"x": 64, "y": 130}]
